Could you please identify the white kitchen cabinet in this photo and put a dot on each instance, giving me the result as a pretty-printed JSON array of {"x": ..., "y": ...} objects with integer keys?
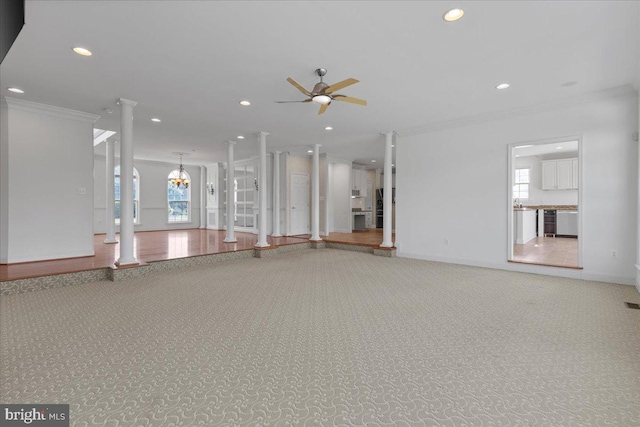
[
  {"x": 368, "y": 219},
  {"x": 359, "y": 182},
  {"x": 549, "y": 172},
  {"x": 560, "y": 174}
]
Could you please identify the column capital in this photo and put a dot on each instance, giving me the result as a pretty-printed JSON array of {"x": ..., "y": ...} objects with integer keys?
[
  {"x": 317, "y": 145},
  {"x": 263, "y": 133},
  {"x": 124, "y": 101},
  {"x": 230, "y": 142},
  {"x": 277, "y": 152}
]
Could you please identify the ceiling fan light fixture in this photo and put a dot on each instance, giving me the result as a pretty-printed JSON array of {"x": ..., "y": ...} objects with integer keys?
[
  {"x": 453, "y": 15},
  {"x": 82, "y": 51},
  {"x": 321, "y": 99}
]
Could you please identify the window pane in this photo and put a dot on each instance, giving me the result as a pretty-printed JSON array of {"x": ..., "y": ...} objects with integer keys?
[
  {"x": 117, "y": 187},
  {"x": 178, "y": 211}
]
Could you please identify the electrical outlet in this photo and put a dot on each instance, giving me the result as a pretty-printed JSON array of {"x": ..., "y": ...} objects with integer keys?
[
  {"x": 82, "y": 190},
  {"x": 614, "y": 254}
]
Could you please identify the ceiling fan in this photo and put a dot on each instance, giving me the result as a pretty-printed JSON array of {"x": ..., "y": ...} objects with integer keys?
[{"x": 323, "y": 93}]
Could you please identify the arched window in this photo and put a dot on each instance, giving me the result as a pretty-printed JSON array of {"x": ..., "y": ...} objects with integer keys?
[
  {"x": 136, "y": 194},
  {"x": 179, "y": 197}
]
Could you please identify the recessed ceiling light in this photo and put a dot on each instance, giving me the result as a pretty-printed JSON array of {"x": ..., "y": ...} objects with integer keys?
[
  {"x": 240, "y": 137},
  {"x": 328, "y": 128},
  {"x": 82, "y": 51},
  {"x": 558, "y": 148},
  {"x": 155, "y": 119},
  {"x": 453, "y": 15},
  {"x": 245, "y": 103},
  {"x": 15, "y": 90},
  {"x": 373, "y": 161},
  {"x": 309, "y": 151},
  {"x": 392, "y": 165},
  {"x": 503, "y": 86}
]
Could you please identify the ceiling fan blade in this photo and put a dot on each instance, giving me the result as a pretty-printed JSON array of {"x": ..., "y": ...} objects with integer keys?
[
  {"x": 299, "y": 86},
  {"x": 350, "y": 99},
  {"x": 287, "y": 102},
  {"x": 323, "y": 108},
  {"x": 340, "y": 85}
]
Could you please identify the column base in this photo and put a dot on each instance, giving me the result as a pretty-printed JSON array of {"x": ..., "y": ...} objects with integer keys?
[
  {"x": 276, "y": 235},
  {"x": 315, "y": 239},
  {"x": 228, "y": 240},
  {"x": 109, "y": 241},
  {"x": 386, "y": 244},
  {"x": 127, "y": 262},
  {"x": 261, "y": 245}
]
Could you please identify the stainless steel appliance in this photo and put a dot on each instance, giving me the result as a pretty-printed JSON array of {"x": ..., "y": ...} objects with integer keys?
[{"x": 567, "y": 223}]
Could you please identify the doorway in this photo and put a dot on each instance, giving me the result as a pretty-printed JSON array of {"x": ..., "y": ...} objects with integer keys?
[
  {"x": 299, "y": 204},
  {"x": 544, "y": 226}
]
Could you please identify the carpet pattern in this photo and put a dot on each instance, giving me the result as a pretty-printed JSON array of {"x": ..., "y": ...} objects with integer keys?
[{"x": 327, "y": 338}]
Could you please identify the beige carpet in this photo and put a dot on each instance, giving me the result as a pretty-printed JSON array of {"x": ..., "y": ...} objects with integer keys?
[{"x": 328, "y": 338}]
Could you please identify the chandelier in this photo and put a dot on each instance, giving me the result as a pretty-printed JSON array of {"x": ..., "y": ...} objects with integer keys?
[{"x": 181, "y": 179}]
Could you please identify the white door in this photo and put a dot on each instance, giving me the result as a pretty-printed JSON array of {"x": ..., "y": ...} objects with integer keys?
[{"x": 299, "y": 204}]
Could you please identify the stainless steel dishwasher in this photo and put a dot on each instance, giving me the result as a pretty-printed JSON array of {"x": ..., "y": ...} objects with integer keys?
[{"x": 567, "y": 223}]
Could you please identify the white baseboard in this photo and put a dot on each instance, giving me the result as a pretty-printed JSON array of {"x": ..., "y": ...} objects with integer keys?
[
  {"x": 638, "y": 277},
  {"x": 48, "y": 257},
  {"x": 527, "y": 268}
]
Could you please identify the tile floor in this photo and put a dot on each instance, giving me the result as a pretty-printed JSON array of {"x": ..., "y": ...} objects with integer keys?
[{"x": 555, "y": 251}]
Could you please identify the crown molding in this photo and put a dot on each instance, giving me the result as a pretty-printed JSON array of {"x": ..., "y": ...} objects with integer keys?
[
  {"x": 49, "y": 110},
  {"x": 626, "y": 91}
]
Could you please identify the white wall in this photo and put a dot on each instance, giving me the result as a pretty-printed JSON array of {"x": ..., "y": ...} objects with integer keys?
[
  {"x": 340, "y": 197},
  {"x": 538, "y": 196},
  {"x": 452, "y": 185},
  {"x": 47, "y": 182},
  {"x": 153, "y": 194}
]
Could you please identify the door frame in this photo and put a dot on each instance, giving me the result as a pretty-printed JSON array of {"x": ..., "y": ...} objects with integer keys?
[{"x": 511, "y": 161}]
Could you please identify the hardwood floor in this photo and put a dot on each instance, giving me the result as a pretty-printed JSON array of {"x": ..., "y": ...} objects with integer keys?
[
  {"x": 148, "y": 246},
  {"x": 552, "y": 251},
  {"x": 152, "y": 246},
  {"x": 371, "y": 237}
]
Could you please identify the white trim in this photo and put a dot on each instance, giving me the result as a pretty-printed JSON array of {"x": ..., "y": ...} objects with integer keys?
[
  {"x": 543, "y": 270},
  {"x": 638, "y": 277},
  {"x": 50, "y": 110},
  {"x": 47, "y": 257},
  {"x": 626, "y": 91}
]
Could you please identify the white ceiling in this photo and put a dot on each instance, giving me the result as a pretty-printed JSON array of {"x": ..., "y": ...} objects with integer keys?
[
  {"x": 189, "y": 63},
  {"x": 555, "y": 148}
]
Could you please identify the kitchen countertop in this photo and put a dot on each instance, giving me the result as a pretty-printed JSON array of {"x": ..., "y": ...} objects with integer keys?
[{"x": 548, "y": 207}]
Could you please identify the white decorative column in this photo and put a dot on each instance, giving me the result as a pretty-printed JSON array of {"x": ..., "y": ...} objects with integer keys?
[
  {"x": 276, "y": 194},
  {"x": 638, "y": 195},
  {"x": 229, "y": 223},
  {"x": 203, "y": 197},
  {"x": 315, "y": 198},
  {"x": 110, "y": 194},
  {"x": 387, "y": 197},
  {"x": 262, "y": 193},
  {"x": 127, "y": 256}
]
